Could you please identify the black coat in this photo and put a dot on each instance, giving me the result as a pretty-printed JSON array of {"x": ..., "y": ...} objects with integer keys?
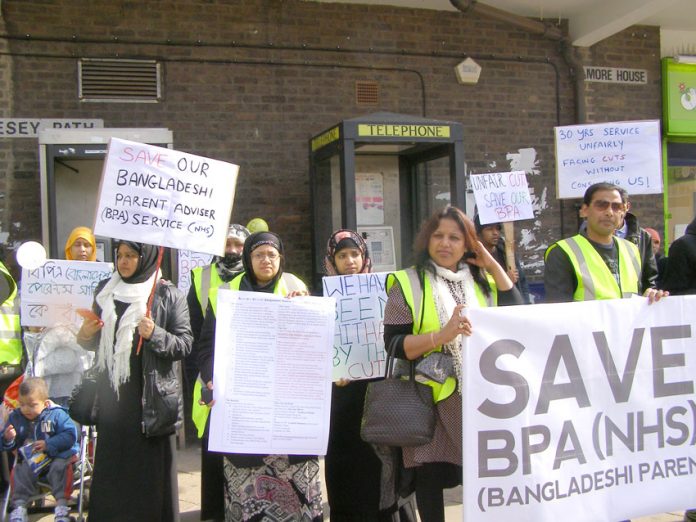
[
  {"x": 162, "y": 406},
  {"x": 680, "y": 272},
  {"x": 642, "y": 239}
]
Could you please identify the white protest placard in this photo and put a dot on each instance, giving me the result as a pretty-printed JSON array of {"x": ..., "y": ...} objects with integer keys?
[
  {"x": 50, "y": 294},
  {"x": 272, "y": 374},
  {"x": 592, "y": 418},
  {"x": 187, "y": 261},
  {"x": 502, "y": 196},
  {"x": 358, "y": 345},
  {"x": 165, "y": 197},
  {"x": 626, "y": 153}
]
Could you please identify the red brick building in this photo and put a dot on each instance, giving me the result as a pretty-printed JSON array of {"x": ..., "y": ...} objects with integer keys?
[{"x": 250, "y": 82}]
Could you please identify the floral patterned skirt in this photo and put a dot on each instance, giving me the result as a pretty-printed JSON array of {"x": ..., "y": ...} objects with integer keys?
[{"x": 277, "y": 491}]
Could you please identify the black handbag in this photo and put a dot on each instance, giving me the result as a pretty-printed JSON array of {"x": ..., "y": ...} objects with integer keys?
[
  {"x": 398, "y": 412},
  {"x": 83, "y": 405}
]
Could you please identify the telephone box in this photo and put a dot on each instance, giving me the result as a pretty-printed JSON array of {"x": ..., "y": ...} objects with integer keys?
[{"x": 383, "y": 174}]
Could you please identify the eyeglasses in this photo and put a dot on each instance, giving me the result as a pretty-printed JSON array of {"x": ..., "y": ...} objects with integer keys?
[
  {"x": 272, "y": 257},
  {"x": 601, "y": 204}
]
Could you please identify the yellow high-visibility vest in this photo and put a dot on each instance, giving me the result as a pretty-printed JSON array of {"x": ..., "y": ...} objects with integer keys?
[
  {"x": 595, "y": 280},
  {"x": 10, "y": 329},
  {"x": 284, "y": 286},
  {"x": 204, "y": 279},
  {"x": 425, "y": 318}
]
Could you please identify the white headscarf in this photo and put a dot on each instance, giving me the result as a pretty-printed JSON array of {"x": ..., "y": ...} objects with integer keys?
[
  {"x": 449, "y": 290},
  {"x": 114, "y": 357}
]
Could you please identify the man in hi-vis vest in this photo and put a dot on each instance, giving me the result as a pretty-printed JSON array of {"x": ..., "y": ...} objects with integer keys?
[
  {"x": 10, "y": 330},
  {"x": 203, "y": 280},
  {"x": 595, "y": 264}
]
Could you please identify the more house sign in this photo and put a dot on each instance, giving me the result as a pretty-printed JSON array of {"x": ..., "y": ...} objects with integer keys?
[{"x": 616, "y": 75}]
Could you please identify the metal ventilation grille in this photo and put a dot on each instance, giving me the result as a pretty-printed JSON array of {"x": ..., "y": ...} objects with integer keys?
[
  {"x": 367, "y": 93},
  {"x": 119, "y": 80}
]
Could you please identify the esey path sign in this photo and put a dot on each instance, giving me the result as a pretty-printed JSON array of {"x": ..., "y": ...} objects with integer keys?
[
  {"x": 165, "y": 197},
  {"x": 592, "y": 418}
]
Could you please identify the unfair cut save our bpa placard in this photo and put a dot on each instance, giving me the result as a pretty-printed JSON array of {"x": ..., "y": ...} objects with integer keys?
[
  {"x": 502, "y": 196},
  {"x": 165, "y": 197}
]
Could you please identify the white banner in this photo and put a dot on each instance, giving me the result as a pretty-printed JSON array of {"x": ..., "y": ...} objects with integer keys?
[
  {"x": 187, "y": 261},
  {"x": 502, "y": 196},
  {"x": 625, "y": 153},
  {"x": 272, "y": 374},
  {"x": 50, "y": 294},
  {"x": 165, "y": 197},
  {"x": 358, "y": 347},
  {"x": 580, "y": 411}
]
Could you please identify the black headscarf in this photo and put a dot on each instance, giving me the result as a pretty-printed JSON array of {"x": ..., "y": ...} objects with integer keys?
[
  {"x": 147, "y": 263},
  {"x": 254, "y": 241}
]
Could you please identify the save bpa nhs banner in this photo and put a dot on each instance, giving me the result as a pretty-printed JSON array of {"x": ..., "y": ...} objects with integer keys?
[
  {"x": 580, "y": 411},
  {"x": 165, "y": 197}
]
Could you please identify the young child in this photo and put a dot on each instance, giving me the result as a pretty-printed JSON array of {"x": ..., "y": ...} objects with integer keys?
[{"x": 50, "y": 431}]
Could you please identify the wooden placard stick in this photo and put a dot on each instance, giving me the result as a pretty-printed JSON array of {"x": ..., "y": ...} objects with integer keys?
[{"x": 509, "y": 231}]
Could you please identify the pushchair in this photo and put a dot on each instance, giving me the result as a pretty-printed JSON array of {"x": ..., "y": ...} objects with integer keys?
[{"x": 54, "y": 355}]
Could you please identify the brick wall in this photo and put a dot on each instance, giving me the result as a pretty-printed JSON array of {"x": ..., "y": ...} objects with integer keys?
[
  {"x": 6, "y": 156},
  {"x": 251, "y": 81},
  {"x": 634, "y": 48}
]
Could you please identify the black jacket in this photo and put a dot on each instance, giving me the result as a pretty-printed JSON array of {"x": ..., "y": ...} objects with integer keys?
[
  {"x": 641, "y": 238},
  {"x": 162, "y": 405},
  {"x": 680, "y": 272}
]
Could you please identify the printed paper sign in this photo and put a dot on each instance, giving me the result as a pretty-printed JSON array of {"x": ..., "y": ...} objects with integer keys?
[
  {"x": 165, "y": 197},
  {"x": 502, "y": 196},
  {"x": 51, "y": 293},
  {"x": 187, "y": 261},
  {"x": 358, "y": 345},
  {"x": 272, "y": 374},
  {"x": 592, "y": 418},
  {"x": 626, "y": 153}
]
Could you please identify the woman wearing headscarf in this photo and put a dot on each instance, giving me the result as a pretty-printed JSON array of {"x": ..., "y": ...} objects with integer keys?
[
  {"x": 453, "y": 271},
  {"x": 81, "y": 245},
  {"x": 204, "y": 279},
  {"x": 294, "y": 479},
  {"x": 352, "y": 469},
  {"x": 138, "y": 393}
]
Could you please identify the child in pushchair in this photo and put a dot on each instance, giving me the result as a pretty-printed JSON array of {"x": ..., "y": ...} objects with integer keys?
[
  {"x": 45, "y": 438},
  {"x": 54, "y": 355}
]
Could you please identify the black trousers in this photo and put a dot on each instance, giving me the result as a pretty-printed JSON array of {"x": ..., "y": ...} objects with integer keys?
[{"x": 431, "y": 479}]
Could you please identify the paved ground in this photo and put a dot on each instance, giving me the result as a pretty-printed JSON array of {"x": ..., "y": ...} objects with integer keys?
[{"x": 189, "y": 495}]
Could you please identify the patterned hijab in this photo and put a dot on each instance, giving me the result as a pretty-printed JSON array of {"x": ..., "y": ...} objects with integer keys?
[
  {"x": 230, "y": 265},
  {"x": 345, "y": 239}
]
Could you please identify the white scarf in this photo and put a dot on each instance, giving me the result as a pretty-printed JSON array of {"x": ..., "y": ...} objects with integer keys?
[
  {"x": 445, "y": 285},
  {"x": 114, "y": 357}
]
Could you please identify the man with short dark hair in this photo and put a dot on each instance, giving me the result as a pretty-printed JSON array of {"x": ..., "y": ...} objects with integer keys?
[{"x": 595, "y": 264}]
